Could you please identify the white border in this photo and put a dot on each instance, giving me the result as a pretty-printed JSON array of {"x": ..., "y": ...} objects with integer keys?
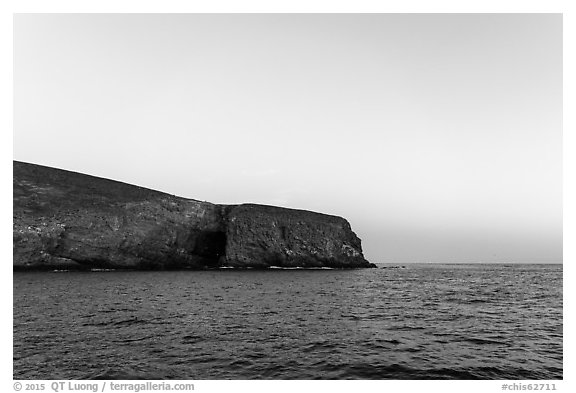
[{"x": 8, "y": 8}]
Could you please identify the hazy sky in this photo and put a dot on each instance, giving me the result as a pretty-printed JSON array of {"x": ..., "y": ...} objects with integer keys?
[{"x": 439, "y": 137}]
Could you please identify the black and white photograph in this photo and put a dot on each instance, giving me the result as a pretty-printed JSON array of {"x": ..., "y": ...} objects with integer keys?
[{"x": 287, "y": 196}]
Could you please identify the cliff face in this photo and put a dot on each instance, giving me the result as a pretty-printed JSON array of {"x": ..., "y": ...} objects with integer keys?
[
  {"x": 266, "y": 235},
  {"x": 69, "y": 220}
]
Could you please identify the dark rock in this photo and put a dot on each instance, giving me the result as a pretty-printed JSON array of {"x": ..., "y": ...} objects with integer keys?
[
  {"x": 67, "y": 220},
  {"x": 272, "y": 236}
]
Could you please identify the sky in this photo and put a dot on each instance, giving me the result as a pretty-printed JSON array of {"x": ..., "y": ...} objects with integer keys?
[{"x": 438, "y": 136}]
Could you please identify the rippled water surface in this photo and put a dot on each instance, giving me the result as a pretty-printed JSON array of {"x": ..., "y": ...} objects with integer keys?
[{"x": 417, "y": 322}]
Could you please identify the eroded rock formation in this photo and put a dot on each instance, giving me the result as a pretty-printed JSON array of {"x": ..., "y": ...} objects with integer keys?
[{"x": 69, "y": 220}]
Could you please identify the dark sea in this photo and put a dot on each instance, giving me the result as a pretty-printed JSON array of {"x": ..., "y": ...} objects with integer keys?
[{"x": 414, "y": 322}]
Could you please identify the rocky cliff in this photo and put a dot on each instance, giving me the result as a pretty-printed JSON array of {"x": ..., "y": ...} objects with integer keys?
[{"x": 66, "y": 220}]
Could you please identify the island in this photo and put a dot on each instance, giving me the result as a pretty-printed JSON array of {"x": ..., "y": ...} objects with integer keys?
[{"x": 72, "y": 221}]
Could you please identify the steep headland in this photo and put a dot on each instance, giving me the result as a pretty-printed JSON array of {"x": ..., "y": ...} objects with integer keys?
[{"x": 69, "y": 220}]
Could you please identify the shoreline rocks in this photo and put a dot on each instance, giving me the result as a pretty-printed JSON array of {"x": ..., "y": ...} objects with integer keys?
[{"x": 66, "y": 220}]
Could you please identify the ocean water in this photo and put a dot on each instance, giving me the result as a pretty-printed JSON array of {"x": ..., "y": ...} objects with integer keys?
[{"x": 417, "y": 322}]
